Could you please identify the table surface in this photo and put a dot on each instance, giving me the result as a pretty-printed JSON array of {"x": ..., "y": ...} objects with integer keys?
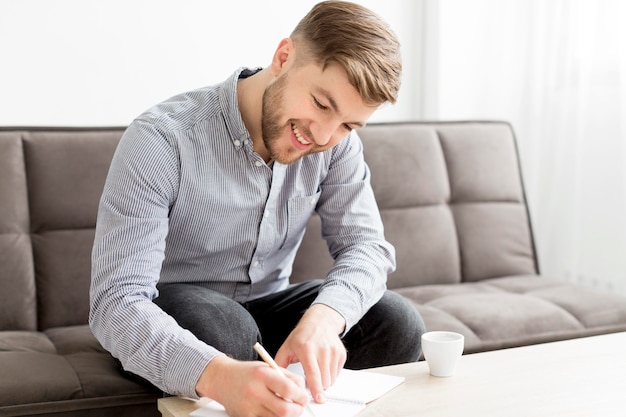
[{"x": 579, "y": 377}]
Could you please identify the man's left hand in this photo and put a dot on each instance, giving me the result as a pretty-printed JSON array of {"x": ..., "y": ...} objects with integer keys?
[{"x": 316, "y": 344}]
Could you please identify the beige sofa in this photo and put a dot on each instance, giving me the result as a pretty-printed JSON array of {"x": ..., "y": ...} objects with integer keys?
[{"x": 451, "y": 198}]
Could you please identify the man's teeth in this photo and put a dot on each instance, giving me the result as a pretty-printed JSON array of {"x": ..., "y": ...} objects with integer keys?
[{"x": 299, "y": 135}]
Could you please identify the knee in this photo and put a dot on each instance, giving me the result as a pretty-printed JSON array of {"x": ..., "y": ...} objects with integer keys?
[
  {"x": 402, "y": 315},
  {"x": 390, "y": 333},
  {"x": 405, "y": 324},
  {"x": 213, "y": 318}
]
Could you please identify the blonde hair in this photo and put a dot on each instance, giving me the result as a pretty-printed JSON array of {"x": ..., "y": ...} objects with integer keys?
[{"x": 357, "y": 39}]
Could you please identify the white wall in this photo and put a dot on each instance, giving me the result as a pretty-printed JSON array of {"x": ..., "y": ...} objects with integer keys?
[{"x": 94, "y": 62}]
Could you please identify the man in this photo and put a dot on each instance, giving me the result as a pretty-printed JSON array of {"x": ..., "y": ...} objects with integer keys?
[{"x": 204, "y": 209}]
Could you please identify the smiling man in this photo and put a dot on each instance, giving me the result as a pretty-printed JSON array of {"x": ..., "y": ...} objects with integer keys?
[
  {"x": 319, "y": 97},
  {"x": 205, "y": 206}
]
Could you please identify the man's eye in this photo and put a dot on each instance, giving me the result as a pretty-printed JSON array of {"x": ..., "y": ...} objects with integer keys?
[{"x": 319, "y": 105}]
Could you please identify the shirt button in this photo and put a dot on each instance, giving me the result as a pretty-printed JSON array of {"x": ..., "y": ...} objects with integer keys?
[
  {"x": 255, "y": 264},
  {"x": 267, "y": 213},
  {"x": 237, "y": 143},
  {"x": 258, "y": 163}
]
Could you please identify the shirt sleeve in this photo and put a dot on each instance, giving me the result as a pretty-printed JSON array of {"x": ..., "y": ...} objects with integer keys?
[
  {"x": 128, "y": 251},
  {"x": 353, "y": 230}
]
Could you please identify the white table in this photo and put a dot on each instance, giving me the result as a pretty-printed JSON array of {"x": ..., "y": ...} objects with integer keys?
[{"x": 580, "y": 377}]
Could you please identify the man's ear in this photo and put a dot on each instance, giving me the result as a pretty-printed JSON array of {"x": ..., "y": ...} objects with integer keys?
[{"x": 283, "y": 57}]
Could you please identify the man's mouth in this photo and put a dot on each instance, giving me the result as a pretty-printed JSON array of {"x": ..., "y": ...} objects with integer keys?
[{"x": 298, "y": 135}]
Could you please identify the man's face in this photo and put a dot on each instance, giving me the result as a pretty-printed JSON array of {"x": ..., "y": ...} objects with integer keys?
[{"x": 307, "y": 110}]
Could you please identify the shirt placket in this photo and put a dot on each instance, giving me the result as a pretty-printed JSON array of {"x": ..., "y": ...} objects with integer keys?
[{"x": 268, "y": 228}]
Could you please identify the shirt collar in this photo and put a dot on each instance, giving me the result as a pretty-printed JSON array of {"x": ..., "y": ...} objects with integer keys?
[{"x": 230, "y": 106}]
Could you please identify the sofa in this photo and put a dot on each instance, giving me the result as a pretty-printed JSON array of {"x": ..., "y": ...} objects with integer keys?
[{"x": 452, "y": 201}]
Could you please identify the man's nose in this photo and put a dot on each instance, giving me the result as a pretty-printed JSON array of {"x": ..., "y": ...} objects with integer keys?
[{"x": 327, "y": 133}]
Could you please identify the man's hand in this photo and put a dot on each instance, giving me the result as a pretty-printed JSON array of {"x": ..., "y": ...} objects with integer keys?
[
  {"x": 252, "y": 388},
  {"x": 315, "y": 343}
]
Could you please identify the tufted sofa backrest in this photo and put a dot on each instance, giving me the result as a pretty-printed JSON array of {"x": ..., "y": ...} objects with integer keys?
[
  {"x": 450, "y": 195},
  {"x": 50, "y": 184}
]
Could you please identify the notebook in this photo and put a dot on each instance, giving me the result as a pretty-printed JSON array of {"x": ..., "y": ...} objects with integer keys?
[{"x": 352, "y": 391}]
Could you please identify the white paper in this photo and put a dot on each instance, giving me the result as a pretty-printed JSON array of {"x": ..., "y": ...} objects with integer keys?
[
  {"x": 362, "y": 386},
  {"x": 349, "y": 395},
  {"x": 334, "y": 408}
]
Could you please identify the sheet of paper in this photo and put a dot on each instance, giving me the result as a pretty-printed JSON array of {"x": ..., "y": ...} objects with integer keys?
[
  {"x": 330, "y": 409},
  {"x": 362, "y": 386},
  {"x": 334, "y": 408},
  {"x": 349, "y": 395}
]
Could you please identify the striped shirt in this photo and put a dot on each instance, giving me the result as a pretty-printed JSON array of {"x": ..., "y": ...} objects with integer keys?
[{"x": 188, "y": 200}]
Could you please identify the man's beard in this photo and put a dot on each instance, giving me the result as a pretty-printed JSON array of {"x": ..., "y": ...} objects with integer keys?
[{"x": 271, "y": 128}]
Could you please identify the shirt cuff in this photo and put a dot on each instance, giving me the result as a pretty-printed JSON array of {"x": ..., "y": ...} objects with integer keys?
[
  {"x": 184, "y": 370},
  {"x": 342, "y": 302}
]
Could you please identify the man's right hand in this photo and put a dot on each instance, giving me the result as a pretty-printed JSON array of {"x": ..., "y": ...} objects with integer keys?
[{"x": 252, "y": 388}]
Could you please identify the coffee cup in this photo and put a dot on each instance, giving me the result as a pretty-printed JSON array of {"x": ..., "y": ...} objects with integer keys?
[{"x": 442, "y": 351}]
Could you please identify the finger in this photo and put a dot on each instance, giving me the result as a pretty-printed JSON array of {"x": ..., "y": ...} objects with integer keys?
[
  {"x": 313, "y": 376},
  {"x": 296, "y": 378},
  {"x": 284, "y": 357},
  {"x": 296, "y": 395},
  {"x": 327, "y": 368},
  {"x": 275, "y": 405},
  {"x": 287, "y": 385},
  {"x": 339, "y": 364}
]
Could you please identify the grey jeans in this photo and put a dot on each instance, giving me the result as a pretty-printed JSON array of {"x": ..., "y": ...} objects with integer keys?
[{"x": 388, "y": 334}]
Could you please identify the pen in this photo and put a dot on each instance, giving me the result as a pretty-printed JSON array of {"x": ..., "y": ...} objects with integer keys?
[{"x": 267, "y": 358}]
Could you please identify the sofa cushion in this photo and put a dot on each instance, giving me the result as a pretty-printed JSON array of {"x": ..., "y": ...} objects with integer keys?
[
  {"x": 25, "y": 341},
  {"x": 427, "y": 248},
  {"x": 73, "y": 339},
  {"x": 32, "y": 377},
  {"x": 62, "y": 259},
  {"x": 412, "y": 188},
  {"x": 60, "y": 365},
  {"x": 481, "y": 159},
  {"x": 591, "y": 308},
  {"x": 66, "y": 171},
  {"x": 517, "y": 310},
  {"x": 18, "y": 309},
  {"x": 506, "y": 316},
  {"x": 494, "y": 239},
  {"x": 408, "y": 166}
]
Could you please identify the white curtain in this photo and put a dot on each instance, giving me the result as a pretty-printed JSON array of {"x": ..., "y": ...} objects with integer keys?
[{"x": 556, "y": 69}]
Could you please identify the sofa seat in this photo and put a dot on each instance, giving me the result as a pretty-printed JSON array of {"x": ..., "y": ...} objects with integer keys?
[
  {"x": 517, "y": 310},
  {"x": 64, "y": 371}
]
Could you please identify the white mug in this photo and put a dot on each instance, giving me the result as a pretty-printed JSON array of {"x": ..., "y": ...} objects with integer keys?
[{"x": 442, "y": 351}]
